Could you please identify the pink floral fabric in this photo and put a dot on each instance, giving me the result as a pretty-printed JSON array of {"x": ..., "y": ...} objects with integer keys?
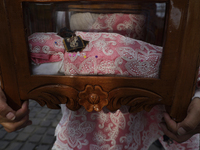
[
  {"x": 111, "y": 53},
  {"x": 130, "y": 25},
  {"x": 120, "y": 130},
  {"x": 46, "y": 47},
  {"x": 107, "y": 53}
]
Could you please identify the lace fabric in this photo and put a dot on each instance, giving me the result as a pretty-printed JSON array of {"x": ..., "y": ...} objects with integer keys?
[
  {"x": 120, "y": 130},
  {"x": 129, "y": 25},
  {"x": 112, "y": 53},
  {"x": 46, "y": 47}
]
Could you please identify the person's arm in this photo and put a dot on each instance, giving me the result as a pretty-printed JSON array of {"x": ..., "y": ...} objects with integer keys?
[
  {"x": 13, "y": 120},
  {"x": 181, "y": 132}
]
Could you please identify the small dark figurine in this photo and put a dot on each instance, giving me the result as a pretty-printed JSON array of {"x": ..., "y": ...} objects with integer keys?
[{"x": 72, "y": 42}]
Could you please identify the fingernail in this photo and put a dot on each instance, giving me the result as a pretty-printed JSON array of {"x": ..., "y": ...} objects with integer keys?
[
  {"x": 10, "y": 116},
  {"x": 181, "y": 131}
]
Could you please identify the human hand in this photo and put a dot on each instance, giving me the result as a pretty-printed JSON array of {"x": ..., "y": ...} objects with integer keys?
[
  {"x": 13, "y": 120},
  {"x": 182, "y": 131}
]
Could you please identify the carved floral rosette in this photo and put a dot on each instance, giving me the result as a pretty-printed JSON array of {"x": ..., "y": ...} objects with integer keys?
[{"x": 93, "y": 98}]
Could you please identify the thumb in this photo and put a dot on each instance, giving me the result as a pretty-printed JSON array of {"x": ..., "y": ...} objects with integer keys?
[
  {"x": 191, "y": 121},
  {"x": 187, "y": 126},
  {"x": 5, "y": 110}
]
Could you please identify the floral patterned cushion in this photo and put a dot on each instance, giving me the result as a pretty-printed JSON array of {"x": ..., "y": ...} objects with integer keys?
[
  {"x": 46, "y": 47},
  {"x": 111, "y": 53},
  {"x": 130, "y": 25}
]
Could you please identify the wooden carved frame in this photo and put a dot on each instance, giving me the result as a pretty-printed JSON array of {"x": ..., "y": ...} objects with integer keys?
[{"x": 174, "y": 88}]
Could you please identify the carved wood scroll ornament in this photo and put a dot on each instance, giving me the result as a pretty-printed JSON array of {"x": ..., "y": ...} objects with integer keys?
[{"x": 94, "y": 98}]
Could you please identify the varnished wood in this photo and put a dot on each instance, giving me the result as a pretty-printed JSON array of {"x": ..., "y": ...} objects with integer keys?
[
  {"x": 173, "y": 88},
  {"x": 7, "y": 64},
  {"x": 188, "y": 68}
]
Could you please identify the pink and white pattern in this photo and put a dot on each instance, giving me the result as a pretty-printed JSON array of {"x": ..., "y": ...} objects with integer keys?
[
  {"x": 107, "y": 53},
  {"x": 112, "y": 53},
  {"x": 130, "y": 25},
  {"x": 120, "y": 130},
  {"x": 46, "y": 47},
  {"x": 105, "y": 130}
]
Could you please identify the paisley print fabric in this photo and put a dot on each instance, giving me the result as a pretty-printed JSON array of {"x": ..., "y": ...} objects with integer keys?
[
  {"x": 107, "y": 53},
  {"x": 112, "y": 53},
  {"x": 129, "y": 25},
  {"x": 46, "y": 47},
  {"x": 120, "y": 130}
]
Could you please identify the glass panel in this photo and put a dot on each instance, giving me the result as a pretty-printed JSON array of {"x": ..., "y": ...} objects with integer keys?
[{"x": 95, "y": 38}]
